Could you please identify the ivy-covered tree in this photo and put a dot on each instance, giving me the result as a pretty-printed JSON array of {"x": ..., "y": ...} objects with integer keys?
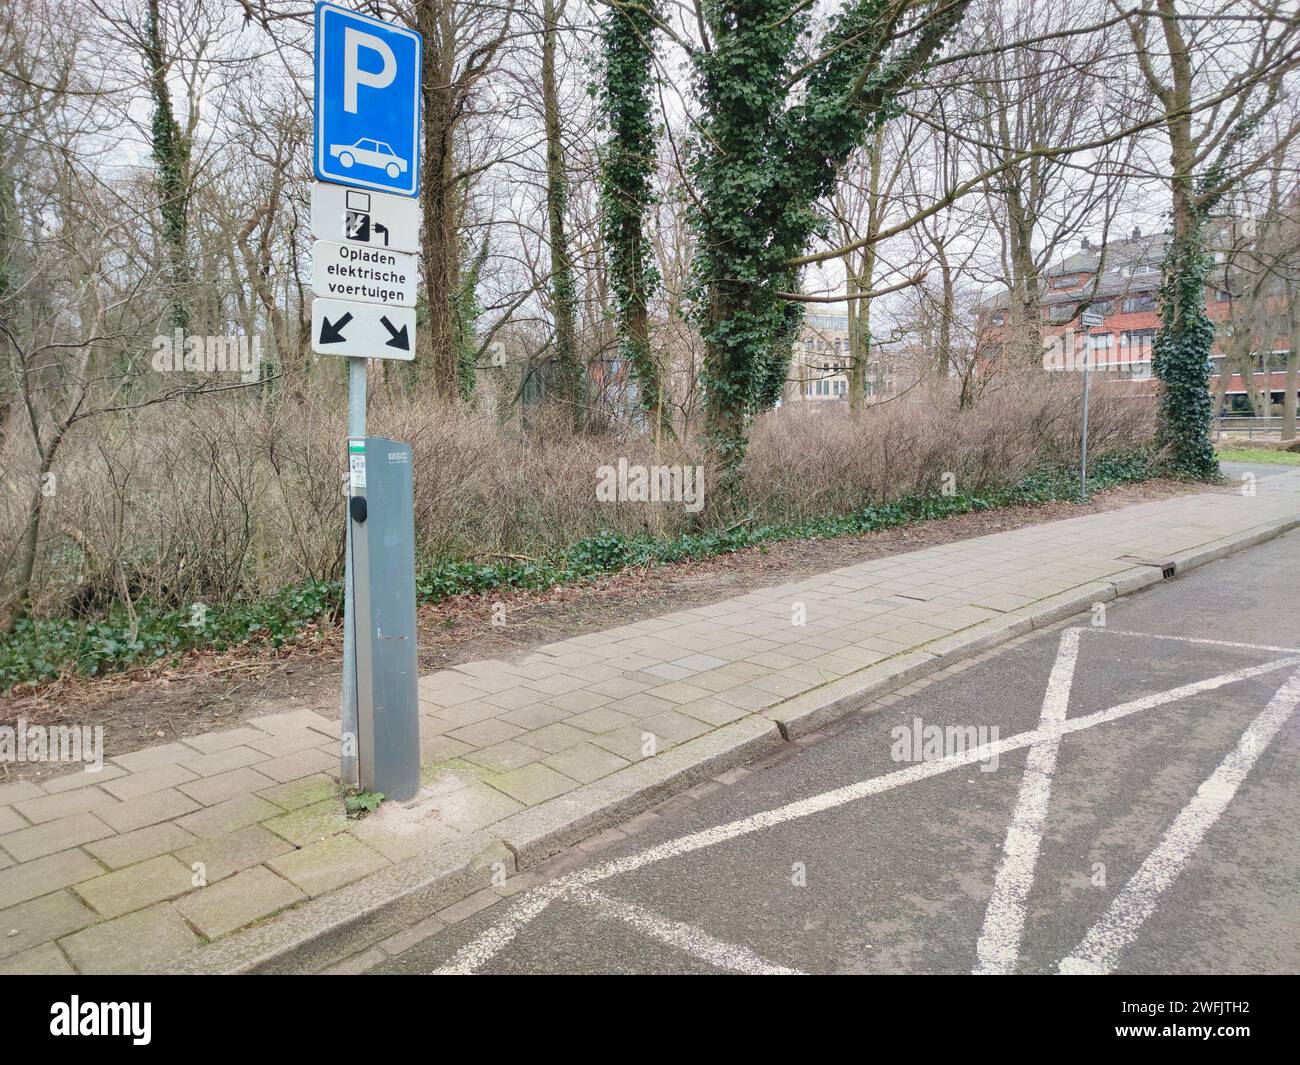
[
  {"x": 777, "y": 123},
  {"x": 1210, "y": 153},
  {"x": 628, "y": 160},
  {"x": 172, "y": 147}
]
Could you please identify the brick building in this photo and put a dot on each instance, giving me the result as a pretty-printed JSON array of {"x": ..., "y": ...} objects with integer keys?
[{"x": 1126, "y": 298}]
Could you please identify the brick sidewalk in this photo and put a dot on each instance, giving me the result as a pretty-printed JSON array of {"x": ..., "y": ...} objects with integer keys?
[{"x": 169, "y": 849}]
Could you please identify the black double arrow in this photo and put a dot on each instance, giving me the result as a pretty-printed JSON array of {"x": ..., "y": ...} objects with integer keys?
[{"x": 332, "y": 332}]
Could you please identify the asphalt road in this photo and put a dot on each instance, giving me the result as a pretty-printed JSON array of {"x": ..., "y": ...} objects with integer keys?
[{"x": 1159, "y": 838}]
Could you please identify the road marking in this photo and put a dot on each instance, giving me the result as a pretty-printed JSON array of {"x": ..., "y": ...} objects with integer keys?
[
  {"x": 488, "y": 943},
  {"x": 684, "y": 937},
  {"x": 1195, "y": 639},
  {"x": 998, "y": 949},
  {"x": 1118, "y": 927}
]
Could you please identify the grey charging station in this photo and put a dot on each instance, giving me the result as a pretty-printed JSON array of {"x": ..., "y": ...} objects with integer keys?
[{"x": 381, "y": 519}]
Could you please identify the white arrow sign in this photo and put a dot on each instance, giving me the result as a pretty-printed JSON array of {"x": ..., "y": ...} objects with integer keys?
[
  {"x": 359, "y": 216},
  {"x": 364, "y": 330},
  {"x": 345, "y": 271}
]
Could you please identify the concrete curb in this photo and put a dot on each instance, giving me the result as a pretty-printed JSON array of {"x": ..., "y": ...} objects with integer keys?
[{"x": 310, "y": 936}]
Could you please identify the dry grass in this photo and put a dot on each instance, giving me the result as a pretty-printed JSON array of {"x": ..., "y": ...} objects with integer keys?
[{"x": 225, "y": 499}]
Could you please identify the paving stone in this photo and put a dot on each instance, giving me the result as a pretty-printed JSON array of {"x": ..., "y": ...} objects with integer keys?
[
  {"x": 52, "y": 836},
  {"x": 586, "y": 762},
  {"x": 45, "y": 960},
  {"x": 210, "y": 765},
  {"x": 148, "y": 810},
  {"x": 555, "y": 738},
  {"x": 302, "y": 792},
  {"x": 631, "y": 741},
  {"x": 540, "y": 715},
  {"x": 534, "y": 783},
  {"x": 152, "y": 757},
  {"x": 146, "y": 781},
  {"x": 53, "y": 807},
  {"x": 310, "y": 823},
  {"x": 136, "y": 886},
  {"x": 242, "y": 899},
  {"x": 403, "y": 834},
  {"x": 749, "y": 698},
  {"x": 604, "y": 719},
  {"x": 712, "y": 711},
  {"x": 301, "y": 764},
  {"x": 213, "y": 742},
  {"x": 557, "y": 684},
  {"x": 212, "y": 790},
  {"x": 673, "y": 726},
  {"x": 17, "y": 791},
  {"x": 469, "y": 713},
  {"x": 219, "y": 858},
  {"x": 227, "y": 817},
  {"x": 621, "y": 687},
  {"x": 640, "y": 705},
  {"x": 503, "y": 757},
  {"x": 477, "y": 806},
  {"x": 516, "y": 698},
  {"x": 141, "y": 942},
  {"x": 439, "y": 779},
  {"x": 291, "y": 721},
  {"x": 486, "y": 733},
  {"x": 440, "y": 748},
  {"x": 699, "y": 663},
  {"x": 117, "y": 852},
  {"x": 679, "y": 691},
  {"x": 328, "y": 864},
  {"x": 82, "y": 778},
  {"x": 30, "y": 880},
  {"x": 11, "y": 820},
  {"x": 282, "y": 743},
  {"x": 41, "y": 920}
]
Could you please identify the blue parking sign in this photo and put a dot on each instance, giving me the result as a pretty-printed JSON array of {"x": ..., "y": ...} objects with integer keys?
[{"x": 367, "y": 102}]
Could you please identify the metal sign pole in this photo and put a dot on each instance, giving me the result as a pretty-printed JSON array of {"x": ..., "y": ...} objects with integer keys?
[
  {"x": 348, "y": 706},
  {"x": 1083, "y": 450}
]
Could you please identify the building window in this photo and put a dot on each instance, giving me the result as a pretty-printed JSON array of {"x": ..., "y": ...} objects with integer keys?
[
  {"x": 1142, "y": 268},
  {"x": 999, "y": 318},
  {"x": 1139, "y": 301},
  {"x": 1061, "y": 282},
  {"x": 1101, "y": 341},
  {"x": 1061, "y": 312},
  {"x": 1103, "y": 307},
  {"x": 1222, "y": 296}
]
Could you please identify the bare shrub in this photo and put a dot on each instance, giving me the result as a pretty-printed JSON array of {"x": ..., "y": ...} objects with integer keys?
[{"x": 234, "y": 498}]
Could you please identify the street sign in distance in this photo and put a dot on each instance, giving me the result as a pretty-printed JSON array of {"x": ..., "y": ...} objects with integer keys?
[
  {"x": 363, "y": 330},
  {"x": 344, "y": 271},
  {"x": 1092, "y": 319},
  {"x": 367, "y": 102},
  {"x": 366, "y": 218}
]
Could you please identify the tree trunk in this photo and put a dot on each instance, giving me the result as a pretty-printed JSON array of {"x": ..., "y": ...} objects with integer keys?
[
  {"x": 440, "y": 243},
  {"x": 563, "y": 287}
]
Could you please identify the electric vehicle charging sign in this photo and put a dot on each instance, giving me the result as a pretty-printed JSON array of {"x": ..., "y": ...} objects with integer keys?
[{"x": 367, "y": 102}]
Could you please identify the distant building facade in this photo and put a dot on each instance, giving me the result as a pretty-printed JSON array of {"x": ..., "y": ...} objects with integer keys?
[{"x": 1125, "y": 295}]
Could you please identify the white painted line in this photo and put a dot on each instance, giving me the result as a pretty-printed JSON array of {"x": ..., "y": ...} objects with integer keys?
[
  {"x": 492, "y": 940},
  {"x": 1194, "y": 639},
  {"x": 998, "y": 949},
  {"x": 1118, "y": 927},
  {"x": 684, "y": 937}
]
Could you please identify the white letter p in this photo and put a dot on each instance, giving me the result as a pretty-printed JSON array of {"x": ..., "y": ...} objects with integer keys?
[{"x": 353, "y": 75}]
